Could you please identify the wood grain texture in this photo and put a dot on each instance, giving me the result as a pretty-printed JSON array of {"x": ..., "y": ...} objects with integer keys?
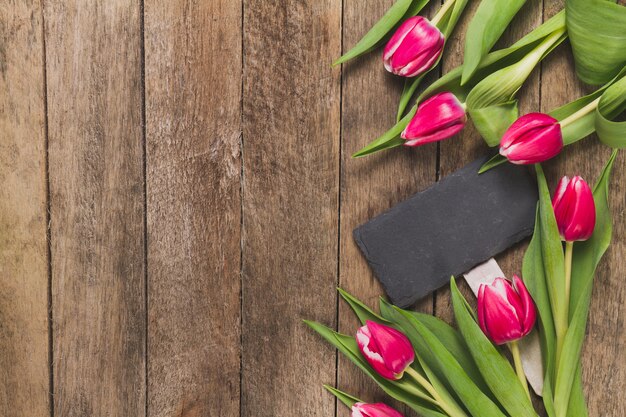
[
  {"x": 468, "y": 145},
  {"x": 24, "y": 372},
  {"x": 372, "y": 184},
  {"x": 604, "y": 368},
  {"x": 291, "y": 126},
  {"x": 193, "y": 114},
  {"x": 96, "y": 198}
]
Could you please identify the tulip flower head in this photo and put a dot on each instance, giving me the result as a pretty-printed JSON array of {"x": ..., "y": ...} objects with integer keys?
[
  {"x": 374, "y": 410},
  {"x": 506, "y": 311},
  {"x": 439, "y": 117},
  {"x": 574, "y": 209},
  {"x": 387, "y": 350},
  {"x": 533, "y": 138},
  {"x": 414, "y": 48}
]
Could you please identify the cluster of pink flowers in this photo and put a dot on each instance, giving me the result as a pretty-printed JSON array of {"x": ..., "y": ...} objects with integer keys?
[
  {"x": 414, "y": 49},
  {"x": 506, "y": 311}
]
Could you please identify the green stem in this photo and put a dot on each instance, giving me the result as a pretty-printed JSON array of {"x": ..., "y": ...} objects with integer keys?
[
  {"x": 450, "y": 409},
  {"x": 562, "y": 323},
  {"x": 519, "y": 369},
  {"x": 569, "y": 250},
  {"x": 580, "y": 113},
  {"x": 442, "y": 12}
]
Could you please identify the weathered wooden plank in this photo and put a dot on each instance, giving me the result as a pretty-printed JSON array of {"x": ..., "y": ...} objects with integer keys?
[
  {"x": 291, "y": 158},
  {"x": 372, "y": 184},
  {"x": 468, "y": 145},
  {"x": 604, "y": 369},
  {"x": 96, "y": 207},
  {"x": 193, "y": 119},
  {"x": 24, "y": 370}
]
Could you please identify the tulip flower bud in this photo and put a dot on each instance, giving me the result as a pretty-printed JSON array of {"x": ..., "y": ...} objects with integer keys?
[
  {"x": 506, "y": 311},
  {"x": 374, "y": 410},
  {"x": 533, "y": 138},
  {"x": 574, "y": 209},
  {"x": 439, "y": 117},
  {"x": 414, "y": 48},
  {"x": 387, "y": 350}
]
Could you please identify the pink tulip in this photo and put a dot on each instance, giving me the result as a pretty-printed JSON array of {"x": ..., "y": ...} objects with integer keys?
[
  {"x": 574, "y": 209},
  {"x": 414, "y": 47},
  {"x": 533, "y": 138},
  {"x": 374, "y": 410},
  {"x": 439, "y": 117},
  {"x": 387, "y": 350},
  {"x": 506, "y": 311}
]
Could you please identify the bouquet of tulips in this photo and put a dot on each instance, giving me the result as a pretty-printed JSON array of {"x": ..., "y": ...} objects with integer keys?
[
  {"x": 440, "y": 371},
  {"x": 432, "y": 367}
]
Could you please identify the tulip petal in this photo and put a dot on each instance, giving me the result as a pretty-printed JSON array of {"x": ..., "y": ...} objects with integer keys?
[
  {"x": 533, "y": 138},
  {"x": 529, "y": 313},
  {"x": 574, "y": 209},
  {"x": 394, "y": 347},
  {"x": 437, "y": 118},
  {"x": 501, "y": 318},
  {"x": 399, "y": 36},
  {"x": 481, "y": 308},
  {"x": 374, "y": 410},
  {"x": 369, "y": 349},
  {"x": 422, "y": 38},
  {"x": 414, "y": 47}
]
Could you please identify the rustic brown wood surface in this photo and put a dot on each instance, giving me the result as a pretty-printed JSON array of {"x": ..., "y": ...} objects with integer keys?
[
  {"x": 93, "y": 67},
  {"x": 193, "y": 161}
]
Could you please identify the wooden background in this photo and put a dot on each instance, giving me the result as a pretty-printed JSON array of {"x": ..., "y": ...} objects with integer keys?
[{"x": 177, "y": 193}]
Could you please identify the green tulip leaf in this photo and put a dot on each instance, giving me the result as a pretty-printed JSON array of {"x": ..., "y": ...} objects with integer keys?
[
  {"x": 586, "y": 257},
  {"x": 472, "y": 397},
  {"x": 496, "y": 370},
  {"x": 552, "y": 253},
  {"x": 596, "y": 29},
  {"x": 492, "y": 121},
  {"x": 363, "y": 312},
  {"x": 591, "y": 112},
  {"x": 536, "y": 281},
  {"x": 347, "y": 399},
  {"x": 410, "y": 86},
  {"x": 489, "y": 22},
  {"x": 612, "y": 103},
  {"x": 584, "y": 125},
  {"x": 577, "y": 406},
  {"x": 400, "y": 10},
  {"x": 495, "y": 161}
]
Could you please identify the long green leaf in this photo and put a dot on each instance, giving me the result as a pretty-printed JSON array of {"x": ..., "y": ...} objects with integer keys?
[
  {"x": 363, "y": 312},
  {"x": 486, "y": 27},
  {"x": 448, "y": 336},
  {"x": 347, "y": 399},
  {"x": 612, "y": 103},
  {"x": 587, "y": 256},
  {"x": 552, "y": 253},
  {"x": 596, "y": 29},
  {"x": 496, "y": 370},
  {"x": 470, "y": 394},
  {"x": 536, "y": 281},
  {"x": 383, "y": 27},
  {"x": 577, "y": 406}
]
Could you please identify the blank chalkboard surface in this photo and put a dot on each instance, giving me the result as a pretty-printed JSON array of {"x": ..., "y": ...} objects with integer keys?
[{"x": 447, "y": 229}]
